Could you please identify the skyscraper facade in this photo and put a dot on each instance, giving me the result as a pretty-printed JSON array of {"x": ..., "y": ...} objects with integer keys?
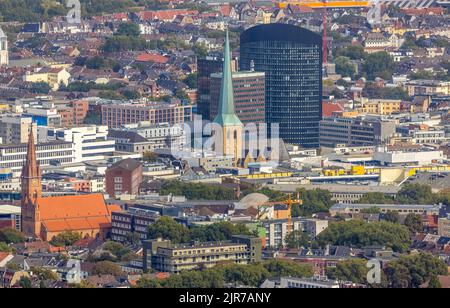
[{"x": 291, "y": 58}]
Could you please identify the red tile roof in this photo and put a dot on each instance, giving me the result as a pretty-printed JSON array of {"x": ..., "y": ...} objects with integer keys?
[{"x": 151, "y": 57}]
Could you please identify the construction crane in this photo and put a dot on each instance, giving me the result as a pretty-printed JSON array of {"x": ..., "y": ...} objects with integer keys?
[{"x": 289, "y": 202}]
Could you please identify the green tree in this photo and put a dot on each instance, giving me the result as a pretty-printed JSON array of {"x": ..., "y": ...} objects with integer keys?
[
  {"x": 344, "y": 67},
  {"x": 191, "y": 80},
  {"x": 414, "y": 270},
  {"x": 360, "y": 234},
  {"x": 150, "y": 157},
  {"x": 107, "y": 268},
  {"x": 168, "y": 229},
  {"x": 198, "y": 191},
  {"x": 416, "y": 194},
  {"x": 414, "y": 223},
  {"x": 4, "y": 247},
  {"x": 353, "y": 52},
  {"x": 25, "y": 283},
  {"x": 297, "y": 239},
  {"x": 379, "y": 64},
  {"x": 434, "y": 283},
  {"x": 10, "y": 235},
  {"x": 129, "y": 29},
  {"x": 40, "y": 88},
  {"x": 354, "y": 270},
  {"x": 201, "y": 51},
  {"x": 67, "y": 238},
  {"x": 314, "y": 201},
  {"x": 375, "y": 198},
  {"x": 117, "y": 249},
  {"x": 392, "y": 216},
  {"x": 371, "y": 210}
]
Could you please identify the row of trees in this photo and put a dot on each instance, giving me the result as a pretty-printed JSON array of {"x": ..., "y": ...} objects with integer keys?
[
  {"x": 409, "y": 194},
  {"x": 409, "y": 271},
  {"x": 169, "y": 229},
  {"x": 198, "y": 191},
  {"x": 252, "y": 275}
]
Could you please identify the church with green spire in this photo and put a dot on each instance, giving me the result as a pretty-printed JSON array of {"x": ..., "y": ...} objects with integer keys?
[{"x": 232, "y": 127}]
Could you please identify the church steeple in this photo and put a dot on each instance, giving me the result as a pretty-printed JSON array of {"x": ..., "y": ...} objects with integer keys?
[
  {"x": 31, "y": 189},
  {"x": 227, "y": 115}
]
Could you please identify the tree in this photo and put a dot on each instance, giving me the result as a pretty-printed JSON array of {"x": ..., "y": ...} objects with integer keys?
[
  {"x": 191, "y": 80},
  {"x": 281, "y": 268},
  {"x": 375, "y": 198},
  {"x": 117, "y": 249},
  {"x": 67, "y": 238},
  {"x": 201, "y": 51},
  {"x": 344, "y": 67},
  {"x": 414, "y": 223},
  {"x": 197, "y": 191},
  {"x": 354, "y": 270},
  {"x": 434, "y": 283},
  {"x": 371, "y": 210},
  {"x": 353, "y": 52},
  {"x": 297, "y": 239},
  {"x": 379, "y": 64},
  {"x": 360, "y": 234},
  {"x": 4, "y": 247},
  {"x": 412, "y": 271},
  {"x": 392, "y": 216},
  {"x": 107, "y": 268},
  {"x": 40, "y": 88},
  {"x": 25, "y": 283},
  {"x": 129, "y": 29},
  {"x": 314, "y": 201},
  {"x": 44, "y": 274},
  {"x": 10, "y": 235},
  {"x": 416, "y": 194},
  {"x": 169, "y": 229}
]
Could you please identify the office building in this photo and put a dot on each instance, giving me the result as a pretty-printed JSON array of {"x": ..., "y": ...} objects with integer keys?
[
  {"x": 10, "y": 217},
  {"x": 402, "y": 209},
  {"x": 355, "y": 131},
  {"x": 117, "y": 115},
  {"x": 291, "y": 58},
  {"x": 206, "y": 67},
  {"x": 164, "y": 256},
  {"x": 74, "y": 114},
  {"x": 15, "y": 130},
  {"x": 89, "y": 142},
  {"x": 249, "y": 96}
]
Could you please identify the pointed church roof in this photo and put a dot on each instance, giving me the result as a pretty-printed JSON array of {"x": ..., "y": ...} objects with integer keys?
[
  {"x": 227, "y": 115},
  {"x": 2, "y": 34},
  {"x": 31, "y": 167}
]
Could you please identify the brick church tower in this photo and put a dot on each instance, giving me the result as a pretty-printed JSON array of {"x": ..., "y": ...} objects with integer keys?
[{"x": 31, "y": 191}]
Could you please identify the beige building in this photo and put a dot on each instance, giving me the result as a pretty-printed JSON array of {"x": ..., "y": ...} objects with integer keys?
[
  {"x": 163, "y": 256},
  {"x": 53, "y": 76},
  {"x": 4, "y": 53},
  {"x": 15, "y": 130},
  {"x": 444, "y": 227},
  {"x": 428, "y": 87},
  {"x": 380, "y": 106}
]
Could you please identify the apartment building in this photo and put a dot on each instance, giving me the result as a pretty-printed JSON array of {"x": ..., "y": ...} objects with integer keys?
[
  {"x": 135, "y": 220},
  {"x": 428, "y": 87},
  {"x": 74, "y": 114},
  {"x": 355, "y": 131},
  {"x": 16, "y": 130},
  {"x": 444, "y": 226},
  {"x": 380, "y": 106},
  {"x": 164, "y": 256},
  {"x": 54, "y": 77},
  {"x": 117, "y": 115},
  {"x": 278, "y": 229}
]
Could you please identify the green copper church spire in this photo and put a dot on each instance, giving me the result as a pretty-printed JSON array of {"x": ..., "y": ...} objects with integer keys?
[{"x": 227, "y": 116}]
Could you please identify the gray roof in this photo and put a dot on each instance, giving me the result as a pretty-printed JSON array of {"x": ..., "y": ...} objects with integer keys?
[
  {"x": 131, "y": 137},
  {"x": 127, "y": 164}
]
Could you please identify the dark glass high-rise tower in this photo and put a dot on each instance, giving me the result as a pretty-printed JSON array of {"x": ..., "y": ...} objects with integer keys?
[{"x": 291, "y": 57}]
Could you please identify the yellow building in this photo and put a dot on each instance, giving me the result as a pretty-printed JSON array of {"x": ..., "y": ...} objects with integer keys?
[
  {"x": 54, "y": 77},
  {"x": 380, "y": 106}
]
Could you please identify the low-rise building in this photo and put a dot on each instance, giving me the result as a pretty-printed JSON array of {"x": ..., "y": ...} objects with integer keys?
[
  {"x": 166, "y": 257},
  {"x": 402, "y": 209},
  {"x": 444, "y": 226}
]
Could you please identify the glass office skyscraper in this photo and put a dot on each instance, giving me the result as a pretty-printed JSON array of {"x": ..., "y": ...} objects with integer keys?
[{"x": 291, "y": 57}]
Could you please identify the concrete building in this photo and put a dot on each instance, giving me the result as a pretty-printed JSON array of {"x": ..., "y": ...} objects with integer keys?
[
  {"x": 4, "y": 53},
  {"x": 49, "y": 153},
  {"x": 117, "y": 115},
  {"x": 43, "y": 115},
  {"x": 419, "y": 156},
  {"x": 89, "y": 142},
  {"x": 444, "y": 226},
  {"x": 74, "y": 114},
  {"x": 10, "y": 217},
  {"x": 402, "y": 209},
  {"x": 135, "y": 220},
  {"x": 355, "y": 131},
  {"x": 124, "y": 177},
  {"x": 249, "y": 96},
  {"x": 15, "y": 130},
  {"x": 211, "y": 163},
  {"x": 380, "y": 106},
  {"x": 54, "y": 77},
  {"x": 278, "y": 229},
  {"x": 166, "y": 257},
  {"x": 301, "y": 283}
]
